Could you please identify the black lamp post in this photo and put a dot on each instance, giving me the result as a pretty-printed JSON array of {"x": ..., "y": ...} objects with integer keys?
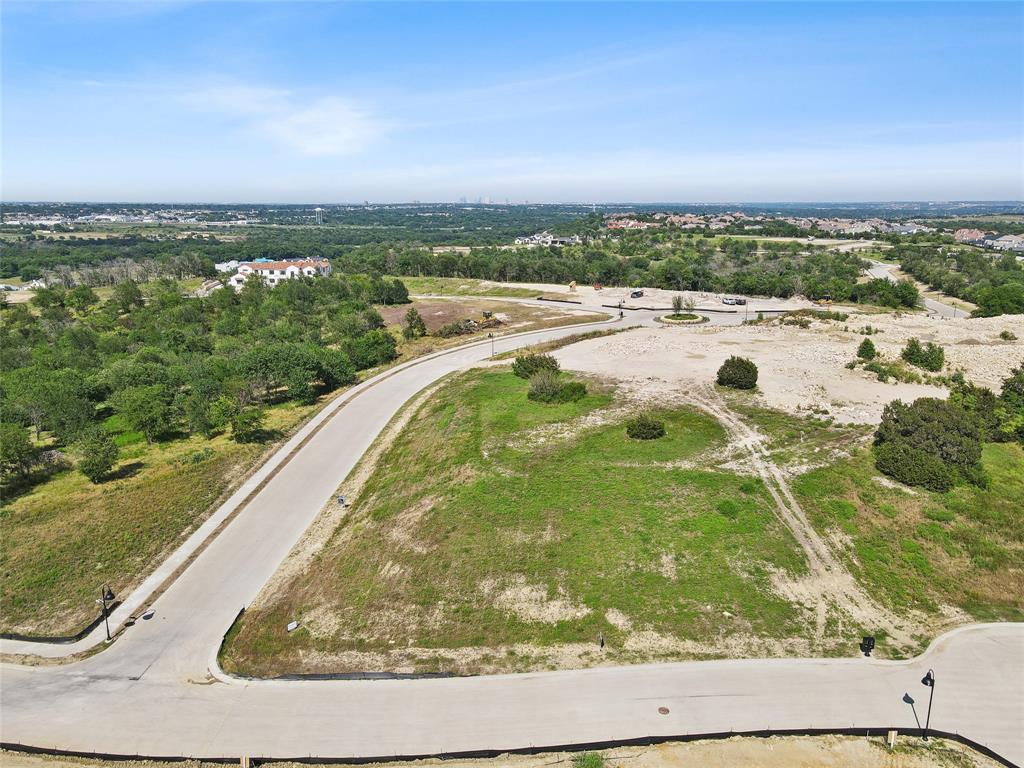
[
  {"x": 929, "y": 680},
  {"x": 106, "y": 596}
]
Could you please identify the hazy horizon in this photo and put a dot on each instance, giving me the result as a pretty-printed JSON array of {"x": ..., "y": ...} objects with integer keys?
[{"x": 502, "y": 203}]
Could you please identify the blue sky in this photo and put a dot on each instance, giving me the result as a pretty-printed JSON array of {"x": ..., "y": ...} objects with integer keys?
[{"x": 340, "y": 102}]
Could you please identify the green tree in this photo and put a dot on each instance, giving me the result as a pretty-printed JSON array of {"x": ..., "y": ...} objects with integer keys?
[
  {"x": 127, "y": 296},
  {"x": 907, "y": 294},
  {"x": 222, "y": 411},
  {"x": 334, "y": 367},
  {"x": 980, "y": 402},
  {"x": 525, "y": 366},
  {"x": 738, "y": 373},
  {"x": 81, "y": 298},
  {"x": 414, "y": 325},
  {"x": 17, "y": 454},
  {"x": 247, "y": 425},
  {"x": 1011, "y": 405},
  {"x": 99, "y": 454},
  {"x": 929, "y": 442},
  {"x": 51, "y": 399},
  {"x": 146, "y": 410},
  {"x": 643, "y": 426},
  {"x": 866, "y": 350},
  {"x": 45, "y": 298},
  {"x": 373, "y": 348},
  {"x": 1007, "y": 299},
  {"x": 930, "y": 357}
]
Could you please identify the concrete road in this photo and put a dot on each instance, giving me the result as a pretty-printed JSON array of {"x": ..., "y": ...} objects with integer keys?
[
  {"x": 157, "y": 691},
  {"x": 109, "y": 709}
]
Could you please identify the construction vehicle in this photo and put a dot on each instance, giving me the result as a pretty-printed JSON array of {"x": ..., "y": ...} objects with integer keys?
[
  {"x": 489, "y": 320},
  {"x": 825, "y": 300},
  {"x": 486, "y": 320}
]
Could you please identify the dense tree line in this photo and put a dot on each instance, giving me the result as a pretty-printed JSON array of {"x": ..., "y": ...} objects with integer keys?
[
  {"x": 654, "y": 259},
  {"x": 666, "y": 258},
  {"x": 168, "y": 364},
  {"x": 995, "y": 282}
]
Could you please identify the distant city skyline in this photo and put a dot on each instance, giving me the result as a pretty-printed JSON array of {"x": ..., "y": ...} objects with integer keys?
[{"x": 577, "y": 103}]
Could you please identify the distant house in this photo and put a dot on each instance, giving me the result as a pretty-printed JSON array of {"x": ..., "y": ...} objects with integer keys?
[
  {"x": 1006, "y": 243},
  {"x": 627, "y": 223},
  {"x": 274, "y": 272},
  {"x": 908, "y": 229},
  {"x": 546, "y": 238},
  {"x": 969, "y": 236}
]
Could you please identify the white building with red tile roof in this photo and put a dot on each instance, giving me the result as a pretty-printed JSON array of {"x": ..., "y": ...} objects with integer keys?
[{"x": 274, "y": 272}]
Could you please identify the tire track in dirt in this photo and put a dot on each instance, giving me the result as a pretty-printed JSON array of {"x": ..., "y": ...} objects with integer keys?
[{"x": 829, "y": 584}]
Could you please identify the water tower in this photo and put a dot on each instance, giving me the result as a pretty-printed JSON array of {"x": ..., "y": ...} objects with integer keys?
[{"x": 319, "y": 213}]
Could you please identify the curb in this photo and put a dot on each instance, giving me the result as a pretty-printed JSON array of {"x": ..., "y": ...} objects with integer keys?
[{"x": 668, "y": 321}]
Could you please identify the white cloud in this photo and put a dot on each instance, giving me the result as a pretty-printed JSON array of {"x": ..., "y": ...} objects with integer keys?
[{"x": 322, "y": 127}]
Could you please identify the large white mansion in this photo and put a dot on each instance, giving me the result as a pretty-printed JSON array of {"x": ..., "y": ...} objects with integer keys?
[{"x": 274, "y": 272}]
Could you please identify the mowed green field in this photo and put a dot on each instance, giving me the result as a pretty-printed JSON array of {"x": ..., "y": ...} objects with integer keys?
[
  {"x": 914, "y": 549},
  {"x": 505, "y": 528}
]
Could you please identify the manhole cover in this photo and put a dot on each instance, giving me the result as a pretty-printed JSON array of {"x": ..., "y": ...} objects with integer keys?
[{"x": 662, "y": 710}]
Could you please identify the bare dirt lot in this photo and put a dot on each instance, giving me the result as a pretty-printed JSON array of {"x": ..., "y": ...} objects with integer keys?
[
  {"x": 737, "y": 752},
  {"x": 514, "y": 317},
  {"x": 804, "y": 369}
]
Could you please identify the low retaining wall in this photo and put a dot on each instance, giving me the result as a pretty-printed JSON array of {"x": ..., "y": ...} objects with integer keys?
[
  {"x": 61, "y": 639},
  {"x": 531, "y": 750}
]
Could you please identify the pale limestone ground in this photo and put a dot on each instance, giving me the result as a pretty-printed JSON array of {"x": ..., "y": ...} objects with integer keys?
[{"x": 803, "y": 369}]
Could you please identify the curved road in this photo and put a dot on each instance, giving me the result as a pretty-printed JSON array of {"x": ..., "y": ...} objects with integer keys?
[{"x": 159, "y": 692}]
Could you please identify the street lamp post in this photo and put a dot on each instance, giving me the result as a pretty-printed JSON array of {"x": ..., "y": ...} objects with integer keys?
[
  {"x": 929, "y": 680},
  {"x": 106, "y": 595}
]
